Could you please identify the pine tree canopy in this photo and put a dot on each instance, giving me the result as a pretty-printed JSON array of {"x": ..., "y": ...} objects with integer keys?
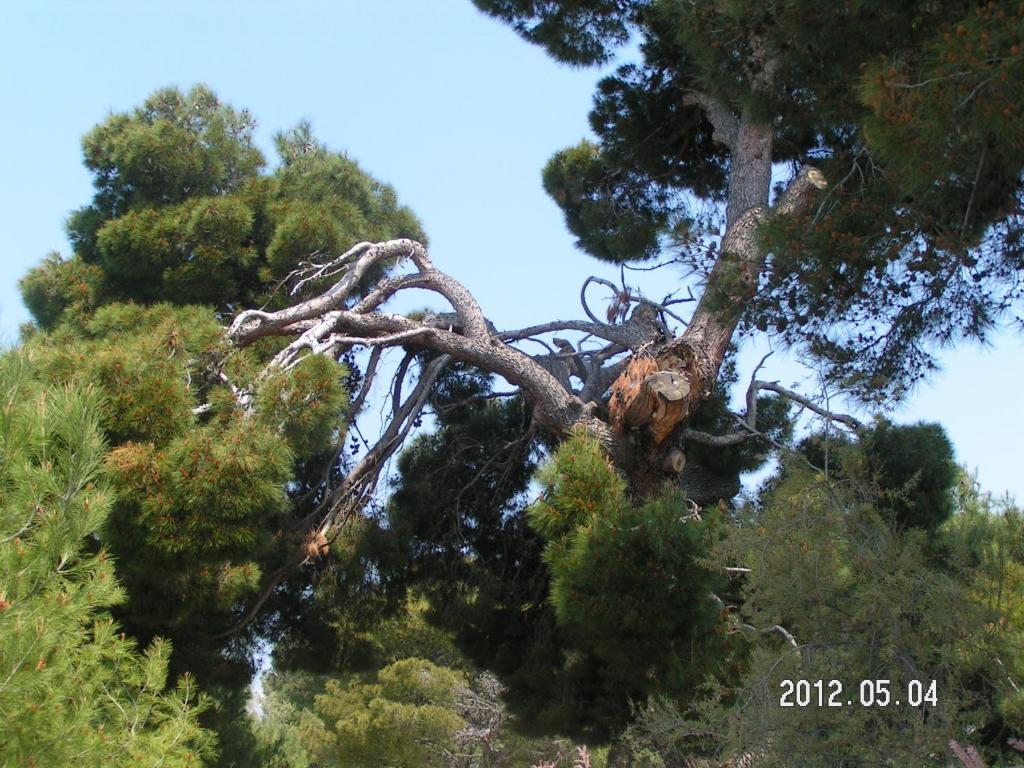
[
  {"x": 918, "y": 130},
  {"x": 207, "y": 494},
  {"x": 184, "y": 212}
]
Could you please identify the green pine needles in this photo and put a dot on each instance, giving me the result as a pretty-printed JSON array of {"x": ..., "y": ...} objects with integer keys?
[
  {"x": 628, "y": 580},
  {"x": 73, "y": 690}
]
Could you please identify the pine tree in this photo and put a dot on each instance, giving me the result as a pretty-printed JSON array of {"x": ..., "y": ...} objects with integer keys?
[
  {"x": 833, "y": 588},
  {"x": 214, "y": 498},
  {"x": 74, "y": 688},
  {"x": 912, "y": 111},
  {"x": 897, "y": 228}
]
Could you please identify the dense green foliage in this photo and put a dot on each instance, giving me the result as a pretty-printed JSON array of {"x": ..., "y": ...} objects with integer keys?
[
  {"x": 915, "y": 462},
  {"x": 912, "y": 466},
  {"x": 404, "y": 718},
  {"x": 196, "y": 502},
  {"x": 457, "y": 529},
  {"x": 603, "y": 551},
  {"x": 185, "y": 226},
  {"x": 459, "y": 614},
  {"x": 835, "y": 593},
  {"x": 401, "y": 709},
  {"x": 182, "y": 212},
  {"x": 74, "y": 688},
  {"x": 863, "y": 603}
]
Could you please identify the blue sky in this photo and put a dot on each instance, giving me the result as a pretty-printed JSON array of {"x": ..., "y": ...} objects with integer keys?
[{"x": 445, "y": 104}]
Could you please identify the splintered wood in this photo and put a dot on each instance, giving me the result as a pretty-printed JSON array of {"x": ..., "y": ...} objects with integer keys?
[
  {"x": 315, "y": 545},
  {"x": 644, "y": 395}
]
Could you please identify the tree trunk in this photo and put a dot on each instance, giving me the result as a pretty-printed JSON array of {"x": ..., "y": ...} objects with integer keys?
[
  {"x": 694, "y": 358},
  {"x": 659, "y": 394}
]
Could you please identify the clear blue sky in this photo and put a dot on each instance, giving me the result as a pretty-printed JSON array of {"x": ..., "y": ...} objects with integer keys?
[{"x": 448, "y": 106}]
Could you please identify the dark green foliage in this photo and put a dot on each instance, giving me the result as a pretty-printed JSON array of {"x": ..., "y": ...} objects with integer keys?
[
  {"x": 607, "y": 214},
  {"x": 457, "y": 513},
  {"x": 915, "y": 462},
  {"x": 576, "y": 33},
  {"x": 457, "y": 518},
  {"x": 918, "y": 239},
  {"x": 455, "y": 521},
  {"x": 454, "y": 506},
  {"x": 638, "y": 550},
  {"x": 722, "y": 467},
  {"x": 912, "y": 466}
]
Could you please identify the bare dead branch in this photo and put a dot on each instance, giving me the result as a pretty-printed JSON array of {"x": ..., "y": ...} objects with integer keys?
[
  {"x": 371, "y": 372},
  {"x": 313, "y": 271},
  {"x": 717, "y": 441},
  {"x": 810, "y": 405},
  {"x": 398, "y": 383}
]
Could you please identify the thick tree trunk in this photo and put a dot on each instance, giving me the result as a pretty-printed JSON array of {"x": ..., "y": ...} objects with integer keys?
[
  {"x": 660, "y": 394},
  {"x": 696, "y": 356},
  {"x": 733, "y": 279}
]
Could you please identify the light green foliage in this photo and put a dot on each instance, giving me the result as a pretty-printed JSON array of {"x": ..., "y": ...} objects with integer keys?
[
  {"x": 197, "y": 502},
  {"x": 420, "y": 688},
  {"x": 863, "y": 602},
  {"x": 985, "y": 542},
  {"x": 61, "y": 289},
  {"x": 141, "y": 358},
  {"x": 204, "y": 494},
  {"x": 404, "y": 718},
  {"x": 389, "y": 654},
  {"x": 148, "y": 226},
  {"x": 306, "y": 405},
  {"x": 73, "y": 690},
  {"x": 579, "y": 484},
  {"x": 185, "y": 227}
]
